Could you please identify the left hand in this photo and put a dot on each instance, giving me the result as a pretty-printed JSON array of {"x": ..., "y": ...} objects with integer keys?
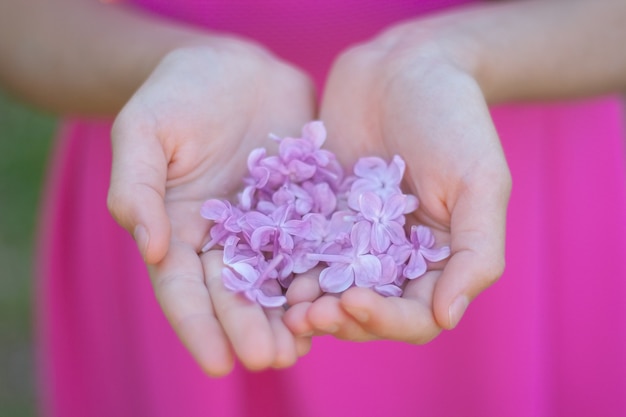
[
  {"x": 184, "y": 137},
  {"x": 400, "y": 95}
]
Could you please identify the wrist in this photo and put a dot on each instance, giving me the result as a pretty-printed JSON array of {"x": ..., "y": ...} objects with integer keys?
[{"x": 430, "y": 51}]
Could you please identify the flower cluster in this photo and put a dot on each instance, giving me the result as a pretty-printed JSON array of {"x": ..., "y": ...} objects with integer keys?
[{"x": 298, "y": 210}]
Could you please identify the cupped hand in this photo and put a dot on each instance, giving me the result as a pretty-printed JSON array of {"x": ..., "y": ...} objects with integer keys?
[
  {"x": 401, "y": 95},
  {"x": 183, "y": 138}
]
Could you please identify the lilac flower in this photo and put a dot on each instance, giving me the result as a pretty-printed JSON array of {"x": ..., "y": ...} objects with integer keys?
[
  {"x": 326, "y": 236},
  {"x": 308, "y": 149},
  {"x": 418, "y": 250},
  {"x": 253, "y": 276},
  {"x": 386, "y": 220},
  {"x": 323, "y": 198},
  {"x": 245, "y": 279},
  {"x": 352, "y": 265},
  {"x": 373, "y": 174},
  {"x": 236, "y": 252},
  {"x": 297, "y": 209},
  {"x": 386, "y": 285},
  {"x": 277, "y": 228},
  {"x": 294, "y": 170},
  {"x": 291, "y": 193},
  {"x": 225, "y": 217},
  {"x": 257, "y": 179}
]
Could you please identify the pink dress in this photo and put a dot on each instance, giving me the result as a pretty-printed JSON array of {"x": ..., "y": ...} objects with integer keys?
[{"x": 549, "y": 339}]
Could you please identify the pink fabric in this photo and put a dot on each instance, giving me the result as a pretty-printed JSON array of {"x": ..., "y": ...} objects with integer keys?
[{"x": 549, "y": 339}]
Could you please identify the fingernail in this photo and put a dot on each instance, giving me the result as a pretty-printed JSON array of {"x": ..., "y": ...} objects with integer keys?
[
  {"x": 457, "y": 309},
  {"x": 359, "y": 315},
  {"x": 141, "y": 238},
  {"x": 305, "y": 334}
]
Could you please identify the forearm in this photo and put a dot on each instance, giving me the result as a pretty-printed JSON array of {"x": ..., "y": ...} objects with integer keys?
[
  {"x": 81, "y": 56},
  {"x": 534, "y": 49}
]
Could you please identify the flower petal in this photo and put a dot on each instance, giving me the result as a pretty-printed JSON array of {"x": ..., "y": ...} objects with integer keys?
[
  {"x": 336, "y": 278},
  {"x": 423, "y": 235},
  {"x": 261, "y": 237},
  {"x": 400, "y": 253},
  {"x": 255, "y": 219},
  {"x": 395, "y": 231},
  {"x": 367, "y": 271},
  {"x": 300, "y": 228},
  {"x": 389, "y": 269},
  {"x": 214, "y": 209},
  {"x": 395, "y": 171},
  {"x": 360, "y": 237},
  {"x": 394, "y": 207},
  {"x": 380, "y": 239},
  {"x": 300, "y": 171},
  {"x": 255, "y": 157},
  {"x": 436, "y": 255},
  {"x": 412, "y": 203},
  {"x": 370, "y": 206},
  {"x": 315, "y": 132},
  {"x": 416, "y": 266},
  {"x": 232, "y": 282},
  {"x": 285, "y": 240},
  {"x": 370, "y": 167},
  {"x": 388, "y": 290},
  {"x": 246, "y": 271},
  {"x": 269, "y": 300}
]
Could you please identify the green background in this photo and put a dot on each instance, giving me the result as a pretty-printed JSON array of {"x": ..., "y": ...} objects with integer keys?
[{"x": 25, "y": 139}]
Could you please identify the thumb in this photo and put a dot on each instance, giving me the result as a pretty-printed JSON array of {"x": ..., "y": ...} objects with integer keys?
[
  {"x": 477, "y": 249},
  {"x": 137, "y": 188}
]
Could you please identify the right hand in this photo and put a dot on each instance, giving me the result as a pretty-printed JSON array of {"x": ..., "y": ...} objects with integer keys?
[
  {"x": 183, "y": 138},
  {"x": 400, "y": 95}
]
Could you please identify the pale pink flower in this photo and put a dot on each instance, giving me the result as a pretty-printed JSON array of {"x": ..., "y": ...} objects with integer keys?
[{"x": 386, "y": 219}]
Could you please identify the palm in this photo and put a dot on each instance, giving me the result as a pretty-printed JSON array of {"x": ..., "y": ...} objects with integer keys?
[
  {"x": 182, "y": 139},
  {"x": 439, "y": 123}
]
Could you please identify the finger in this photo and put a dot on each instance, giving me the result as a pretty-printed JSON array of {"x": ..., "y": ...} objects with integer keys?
[
  {"x": 408, "y": 319},
  {"x": 305, "y": 287},
  {"x": 295, "y": 318},
  {"x": 286, "y": 352},
  {"x": 179, "y": 287},
  {"x": 297, "y": 321},
  {"x": 477, "y": 249},
  {"x": 244, "y": 321},
  {"x": 326, "y": 315},
  {"x": 303, "y": 346},
  {"x": 137, "y": 189}
]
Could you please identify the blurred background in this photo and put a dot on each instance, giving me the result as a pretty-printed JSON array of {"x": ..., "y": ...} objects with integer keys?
[{"x": 25, "y": 138}]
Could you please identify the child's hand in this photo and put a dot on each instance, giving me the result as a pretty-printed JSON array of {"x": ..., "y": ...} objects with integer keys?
[
  {"x": 183, "y": 138},
  {"x": 391, "y": 97}
]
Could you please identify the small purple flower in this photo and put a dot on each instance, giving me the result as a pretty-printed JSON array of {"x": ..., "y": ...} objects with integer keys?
[
  {"x": 323, "y": 198},
  {"x": 236, "y": 252},
  {"x": 278, "y": 228},
  {"x": 373, "y": 174},
  {"x": 386, "y": 219},
  {"x": 256, "y": 281},
  {"x": 385, "y": 285},
  {"x": 267, "y": 293},
  {"x": 418, "y": 250},
  {"x": 354, "y": 265},
  {"x": 225, "y": 217},
  {"x": 297, "y": 209},
  {"x": 291, "y": 193}
]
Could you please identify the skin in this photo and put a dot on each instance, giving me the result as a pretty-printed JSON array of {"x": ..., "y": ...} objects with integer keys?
[
  {"x": 190, "y": 106},
  {"x": 420, "y": 89},
  {"x": 172, "y": 151}
]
